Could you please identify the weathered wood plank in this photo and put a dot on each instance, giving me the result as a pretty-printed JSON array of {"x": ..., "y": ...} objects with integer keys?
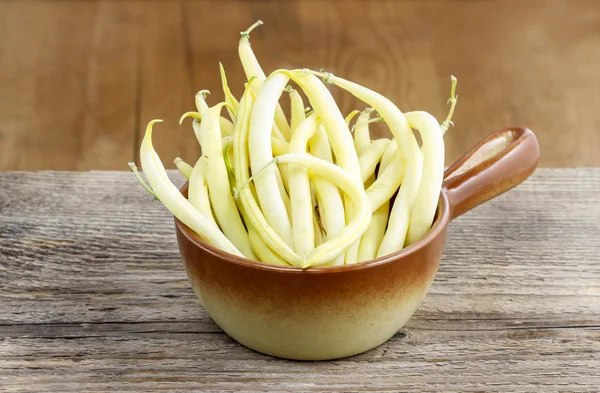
[
  {"x": 416, "y": 361},
  {"x": 93, "y": 297}
]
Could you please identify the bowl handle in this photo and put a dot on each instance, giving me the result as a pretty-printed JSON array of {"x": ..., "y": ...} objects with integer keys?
[{"x": 498, "y": 163}]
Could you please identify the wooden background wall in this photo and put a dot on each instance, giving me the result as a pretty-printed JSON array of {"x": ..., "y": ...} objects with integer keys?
[{"x": 80, "y": 79}]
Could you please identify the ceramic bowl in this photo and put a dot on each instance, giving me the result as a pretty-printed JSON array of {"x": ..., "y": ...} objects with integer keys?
[{"x": 334, "y": 312}]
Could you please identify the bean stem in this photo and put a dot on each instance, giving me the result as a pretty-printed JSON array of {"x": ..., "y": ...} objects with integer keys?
[
  {"x": 452, "y": 101},
  {"x": 136, "y": 172}
]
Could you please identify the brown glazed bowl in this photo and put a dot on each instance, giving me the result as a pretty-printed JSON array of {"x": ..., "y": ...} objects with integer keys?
[{"x": 334, "y": 312}]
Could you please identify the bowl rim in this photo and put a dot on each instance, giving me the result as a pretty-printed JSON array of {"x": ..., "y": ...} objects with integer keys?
[{"x": 440, "y": 223}]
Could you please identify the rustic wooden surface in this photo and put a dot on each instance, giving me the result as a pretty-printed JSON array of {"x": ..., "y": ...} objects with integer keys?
[
  {"x": 80, "y": 79},
  {"x": 93, "y": 297}
]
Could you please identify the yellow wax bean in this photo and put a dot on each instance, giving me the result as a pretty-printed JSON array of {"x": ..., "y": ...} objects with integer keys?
[
  {"x": 263, "y": 252},
  {"x": 329, "y": 199},
  {"x": 371, "y": 156},
  {"x": 433, "y": 174},
  {"x": 362, "y": 136},
  {"x": 371, "y": 239},
  {"x": 359, "y": 221},
  {"x": 333, "y": 121},
  {"x": 407, "y": 144},
  {"x": 249, "y": 201},
  {"x": 259, "y": 146},
  {"x": 229, "y": 97},
  {"x": 279, "y": 146},
  {"x": 337, "y": 130},
  {"x": 300, "y": 193},
  {"x": 253, "y": 69},
  {"x": 219, "y": 189},
  {"x": 184, "y": 168},
  {"x": 198, "y": 190},
  {"x": 351, "y": 116},
  {"x": 226, "y": 125},
  {"x": 170, "y": 196},
  {"x": 297, "y": 109},
  {"x": 388, "y": 156}
]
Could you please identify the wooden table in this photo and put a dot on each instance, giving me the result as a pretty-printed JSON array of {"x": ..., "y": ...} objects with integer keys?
[{"x": 93, "y": 297}]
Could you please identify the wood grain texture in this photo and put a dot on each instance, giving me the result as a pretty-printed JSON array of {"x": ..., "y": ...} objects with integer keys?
[
  {"x": 80, "y": 79},
  {"x": 93, "y": 297},
  {"x": 67, "y": 77}
]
